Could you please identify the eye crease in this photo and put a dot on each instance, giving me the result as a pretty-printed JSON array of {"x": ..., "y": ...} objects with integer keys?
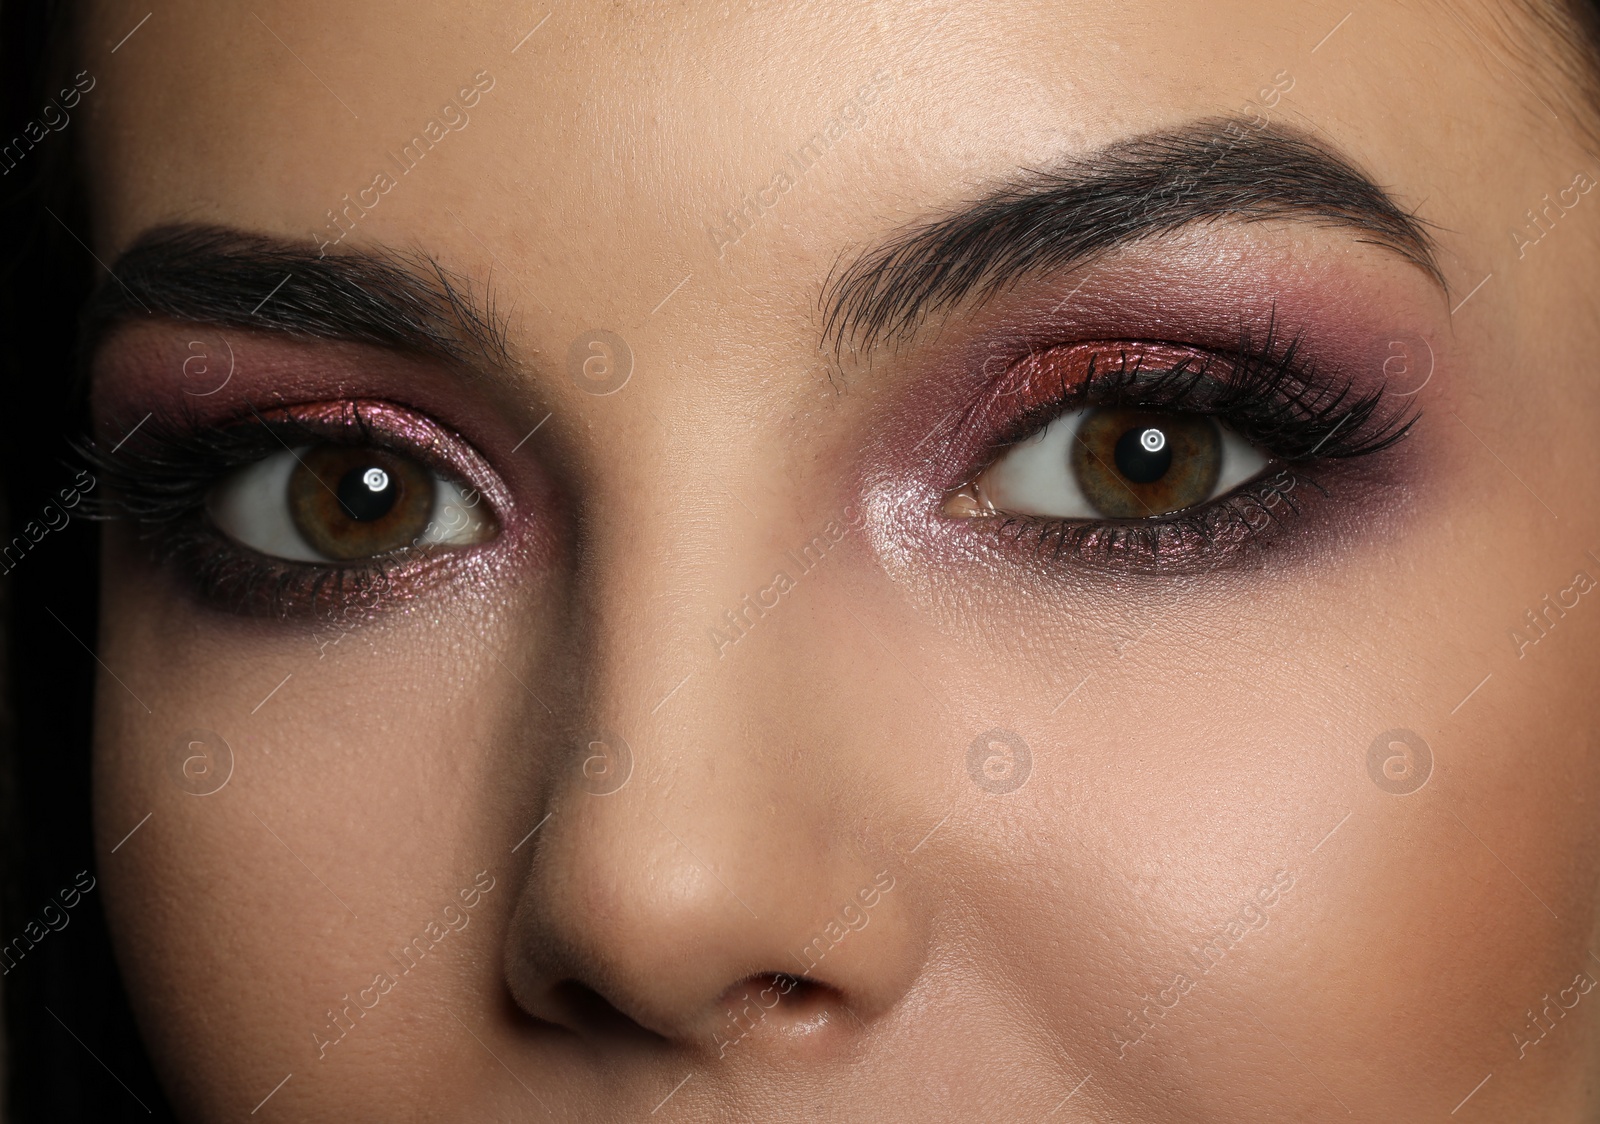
[
  {"x": 1113, "y": 463},
  {"x": 342, "y": 503}
]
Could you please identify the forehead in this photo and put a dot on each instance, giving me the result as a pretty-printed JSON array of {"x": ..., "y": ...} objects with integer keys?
[{"x": 597, "y": 157}]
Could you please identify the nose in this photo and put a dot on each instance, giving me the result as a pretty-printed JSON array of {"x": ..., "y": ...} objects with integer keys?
[{"x": 726, "y": 887}]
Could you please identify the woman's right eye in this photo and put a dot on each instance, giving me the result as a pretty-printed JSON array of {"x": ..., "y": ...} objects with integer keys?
[{"x": 334, "y": 503}]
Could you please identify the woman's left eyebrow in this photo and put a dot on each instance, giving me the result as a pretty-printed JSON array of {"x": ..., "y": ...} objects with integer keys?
[
  {"x": 232, "y": 278},
  {"x": 1049, "y": 222}
]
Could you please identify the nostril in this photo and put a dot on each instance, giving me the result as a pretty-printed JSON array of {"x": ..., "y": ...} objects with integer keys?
[
  {"x": 787, "y": 1005},
  {"x": 590, "y": 1014},
  {"x": 800, "y": 997}
]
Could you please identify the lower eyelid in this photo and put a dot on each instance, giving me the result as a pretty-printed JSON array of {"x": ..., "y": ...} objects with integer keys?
[{"x": 1198, "y": 541}]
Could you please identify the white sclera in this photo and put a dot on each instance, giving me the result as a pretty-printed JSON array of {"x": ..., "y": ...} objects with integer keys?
[
  {"x": 251, "y": 506},
  {"x": 1035, "y": 476}
]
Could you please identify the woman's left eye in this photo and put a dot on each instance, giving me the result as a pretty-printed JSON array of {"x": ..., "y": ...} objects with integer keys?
[
  {"x": 1105, "y": 462},
  {"x": 344, "y": 503}
]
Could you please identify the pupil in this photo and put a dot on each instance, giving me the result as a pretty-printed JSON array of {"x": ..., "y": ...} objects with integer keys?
[
  {"x": 1143, "y": 454},
  {"x": 367, "y": 493}
]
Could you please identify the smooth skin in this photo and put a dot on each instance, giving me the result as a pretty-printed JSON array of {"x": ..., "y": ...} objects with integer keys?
[{"x": 1199, "y": 744}]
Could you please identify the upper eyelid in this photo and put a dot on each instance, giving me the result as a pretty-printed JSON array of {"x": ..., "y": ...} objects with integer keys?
[
  {"x": 166, "y": 472},
  {"x": 993, "y": 427},
  {"x": 1265, "y": 375}
]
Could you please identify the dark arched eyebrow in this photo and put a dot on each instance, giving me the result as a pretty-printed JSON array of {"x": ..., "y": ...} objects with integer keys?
[
  {"x": 1042, "y": 223},
  {"x": 1048, "y": 222},
  {"x": 230, "y": 278}
]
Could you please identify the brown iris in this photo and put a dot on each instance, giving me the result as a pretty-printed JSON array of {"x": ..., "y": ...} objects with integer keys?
[
  {"x": 351, "y": 502},
  {"x": 1133, "y": 464}
]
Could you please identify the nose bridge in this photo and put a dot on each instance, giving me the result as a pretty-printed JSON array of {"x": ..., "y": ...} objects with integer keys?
[{"x": 688, "y": 849}]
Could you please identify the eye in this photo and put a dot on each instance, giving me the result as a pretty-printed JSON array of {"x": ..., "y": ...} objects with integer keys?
[
  {"x": 1114, "y": 463},
  {"x": 342, "y": 503}
]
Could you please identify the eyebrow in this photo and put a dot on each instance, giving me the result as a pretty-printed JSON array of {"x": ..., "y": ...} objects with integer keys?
[
  {"x": 1048, "y": 222},
  {"x": 226, "y": 277}
]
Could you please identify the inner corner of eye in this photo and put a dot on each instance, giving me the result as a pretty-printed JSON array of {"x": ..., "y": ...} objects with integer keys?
[{"x": 967, "y": 501}]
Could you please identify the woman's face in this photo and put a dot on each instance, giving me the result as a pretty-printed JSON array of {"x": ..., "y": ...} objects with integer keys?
[{"x": 891, "y": 601}]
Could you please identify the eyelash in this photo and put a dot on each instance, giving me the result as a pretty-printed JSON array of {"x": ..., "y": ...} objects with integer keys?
[
  {"x": 1265, "y": 391},
  {"x": 161, "y": 482}
]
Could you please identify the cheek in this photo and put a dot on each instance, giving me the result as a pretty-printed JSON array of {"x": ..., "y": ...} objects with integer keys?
[
  {"x": 1185, "y": 748},
  {"x": 367, "y": 788}
]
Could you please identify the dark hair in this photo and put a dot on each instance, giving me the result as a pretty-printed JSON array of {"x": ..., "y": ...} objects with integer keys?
[{"x": 70, "y": 1049}]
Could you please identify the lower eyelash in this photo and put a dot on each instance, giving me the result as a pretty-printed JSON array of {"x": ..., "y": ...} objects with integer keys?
[
  {"x": 1215, "y": 532},
  {"x": 241, "y": 581},
  {"x": 1264, "y": 390},
  {"x": 160, "y": 483}
]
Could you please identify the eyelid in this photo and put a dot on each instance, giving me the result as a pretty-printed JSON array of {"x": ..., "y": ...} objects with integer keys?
[
  {"x": 162, "y": 478},
  {"x": 1044, "y": 384},
  {"x": 387, "y": 425},
  {"x": 157, "y": 477},
  {"x": 1269, "y": 393}
]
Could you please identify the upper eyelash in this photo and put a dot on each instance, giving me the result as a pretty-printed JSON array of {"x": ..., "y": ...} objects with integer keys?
[
  {"x": 161, "y": 482},
  {"x": 1266, "y": 393},
  {"x": 163, "y": 477}
]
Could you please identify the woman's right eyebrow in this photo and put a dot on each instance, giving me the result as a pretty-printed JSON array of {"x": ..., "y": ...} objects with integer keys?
[
  {"x": 1052, "y": 221},
  {"x": 232, "y": 278}
]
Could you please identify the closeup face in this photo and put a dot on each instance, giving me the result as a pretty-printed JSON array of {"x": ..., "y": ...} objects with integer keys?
[{"x": 854, "y": 562}]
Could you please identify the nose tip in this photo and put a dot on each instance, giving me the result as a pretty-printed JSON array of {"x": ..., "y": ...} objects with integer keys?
[{"x": 632, "y": 927}]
